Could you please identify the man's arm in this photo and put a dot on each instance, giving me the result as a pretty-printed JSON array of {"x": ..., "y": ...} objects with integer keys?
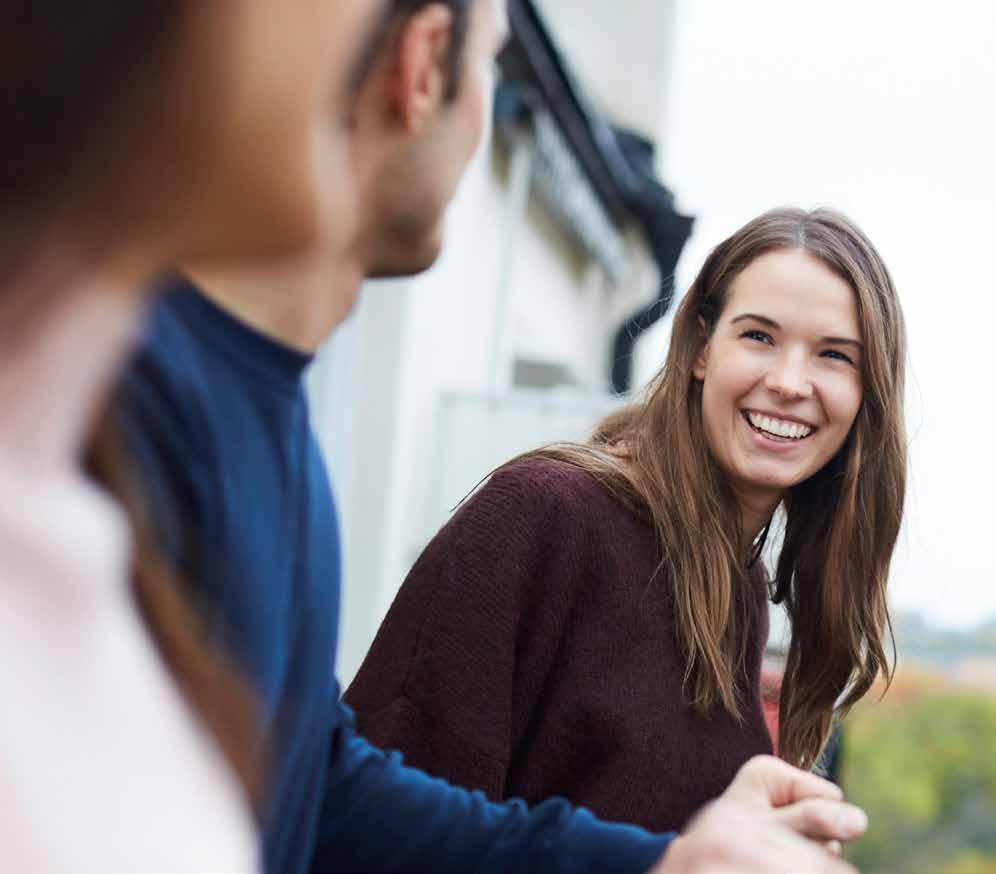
[{"x": 382, "y": 816}]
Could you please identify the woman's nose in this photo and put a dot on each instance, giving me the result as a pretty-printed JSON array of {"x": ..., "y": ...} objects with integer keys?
[{"x": 789, "y": 377}]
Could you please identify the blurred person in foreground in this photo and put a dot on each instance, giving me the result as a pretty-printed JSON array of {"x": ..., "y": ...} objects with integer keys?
[
  {"x": 591, "y": 622},
  {"x": 217, "y": 412},
  {"x": 132, "y": 133}
]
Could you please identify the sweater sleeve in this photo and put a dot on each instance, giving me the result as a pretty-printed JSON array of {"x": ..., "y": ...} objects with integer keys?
[
  {"x": 381, "y": 816},
  {"x": 461, "y": 658}
]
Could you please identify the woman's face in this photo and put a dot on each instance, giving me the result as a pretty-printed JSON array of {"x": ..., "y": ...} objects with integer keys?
[
  {"x": 259, "y": 108},
  {"x": 781, "y": 374}
]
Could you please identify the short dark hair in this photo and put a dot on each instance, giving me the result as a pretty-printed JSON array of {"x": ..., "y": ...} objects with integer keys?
[{"x": 395, "y": 12}]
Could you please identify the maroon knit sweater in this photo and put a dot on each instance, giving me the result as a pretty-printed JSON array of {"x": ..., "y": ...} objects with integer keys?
[{"x": 531, "y": 652}]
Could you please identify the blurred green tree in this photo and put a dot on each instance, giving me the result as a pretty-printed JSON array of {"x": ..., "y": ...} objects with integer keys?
[{"x": 922, "y": 763}]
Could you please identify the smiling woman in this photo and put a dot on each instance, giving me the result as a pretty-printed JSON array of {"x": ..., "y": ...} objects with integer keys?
[
  {"x": 788, "y": 357},
  {"x": 596, "y": 614}
]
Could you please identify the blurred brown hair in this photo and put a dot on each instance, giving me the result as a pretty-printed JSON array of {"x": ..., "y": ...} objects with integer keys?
[
  {"x": 204, "y": 673},
  {"x": 841, "y": 525}
]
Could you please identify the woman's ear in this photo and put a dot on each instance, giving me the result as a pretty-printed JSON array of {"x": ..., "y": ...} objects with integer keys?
[{"x": 699, "y": 368}]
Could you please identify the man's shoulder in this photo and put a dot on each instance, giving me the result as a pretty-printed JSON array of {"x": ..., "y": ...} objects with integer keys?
[
  {"x": 174, "y": 383},
  {"x": 170, "y": 354},
  {"x": 165, "y": 402},
  {"x": 175, "y": 430}
]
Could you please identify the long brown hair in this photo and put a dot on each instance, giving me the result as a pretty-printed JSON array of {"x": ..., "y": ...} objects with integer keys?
[
  {"x": 841, "y": 524},
  {"x": 80, "y": 82},
  {"x": 205, "y": 674}
]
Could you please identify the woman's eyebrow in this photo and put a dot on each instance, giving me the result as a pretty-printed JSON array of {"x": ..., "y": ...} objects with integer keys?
[
  {"x": 845, "y": 341},
  {"x": 764, "y": 320}
]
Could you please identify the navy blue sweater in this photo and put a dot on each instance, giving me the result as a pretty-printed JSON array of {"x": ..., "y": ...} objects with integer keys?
[{"x": 216, "y": 415}]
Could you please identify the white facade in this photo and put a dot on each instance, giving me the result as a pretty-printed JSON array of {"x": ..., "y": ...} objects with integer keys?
[{"x": 414, "y": 398}]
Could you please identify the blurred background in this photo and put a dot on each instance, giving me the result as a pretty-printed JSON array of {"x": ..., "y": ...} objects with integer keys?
[{"x": 628, "y": 139}]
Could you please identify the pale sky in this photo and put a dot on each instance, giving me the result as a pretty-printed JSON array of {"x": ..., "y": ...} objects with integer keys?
[{"x": 887, "y": 111}]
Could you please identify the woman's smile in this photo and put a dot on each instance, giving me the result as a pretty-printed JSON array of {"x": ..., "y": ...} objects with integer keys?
[{"x": 777, "y": 428}]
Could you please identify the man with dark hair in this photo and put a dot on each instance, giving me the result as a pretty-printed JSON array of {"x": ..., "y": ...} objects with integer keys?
[{"x": 218, "y": 418}]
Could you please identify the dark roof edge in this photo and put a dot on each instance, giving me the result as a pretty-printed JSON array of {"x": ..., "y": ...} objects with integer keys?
[{"x": 538, "y": 60}]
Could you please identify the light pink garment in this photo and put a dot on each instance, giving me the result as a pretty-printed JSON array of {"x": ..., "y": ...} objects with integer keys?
[{"x": 102, "y": 767}]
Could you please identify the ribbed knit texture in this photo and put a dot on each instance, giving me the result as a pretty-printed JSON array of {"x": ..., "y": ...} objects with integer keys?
[{"x": 531, "y": 652}]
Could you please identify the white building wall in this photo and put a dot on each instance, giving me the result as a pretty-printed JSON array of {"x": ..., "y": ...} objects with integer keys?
[{"x": 379, "y": 387}]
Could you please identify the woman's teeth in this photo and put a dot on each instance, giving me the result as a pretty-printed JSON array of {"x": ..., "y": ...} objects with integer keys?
[{"x": 779, "y": 427}]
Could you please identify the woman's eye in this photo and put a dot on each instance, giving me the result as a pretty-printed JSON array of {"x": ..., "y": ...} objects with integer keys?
[
  {"x": 837, "y": 355},
  {"x": 759, "y": 336}
]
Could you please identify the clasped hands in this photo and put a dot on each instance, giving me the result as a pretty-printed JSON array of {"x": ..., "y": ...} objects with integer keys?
[{"x": 773, "y": 819}]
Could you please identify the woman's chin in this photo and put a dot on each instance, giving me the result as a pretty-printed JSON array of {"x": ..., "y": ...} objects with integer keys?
[{"x": 769, "y": 483}]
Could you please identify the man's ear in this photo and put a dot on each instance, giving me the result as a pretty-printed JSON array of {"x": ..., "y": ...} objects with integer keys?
[
  {"x": 420, "y": 78},
  {"x": 699, "y": 368}
]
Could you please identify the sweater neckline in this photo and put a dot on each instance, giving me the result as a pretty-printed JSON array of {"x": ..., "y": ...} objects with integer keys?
[{"x": 247, "y": 346}]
